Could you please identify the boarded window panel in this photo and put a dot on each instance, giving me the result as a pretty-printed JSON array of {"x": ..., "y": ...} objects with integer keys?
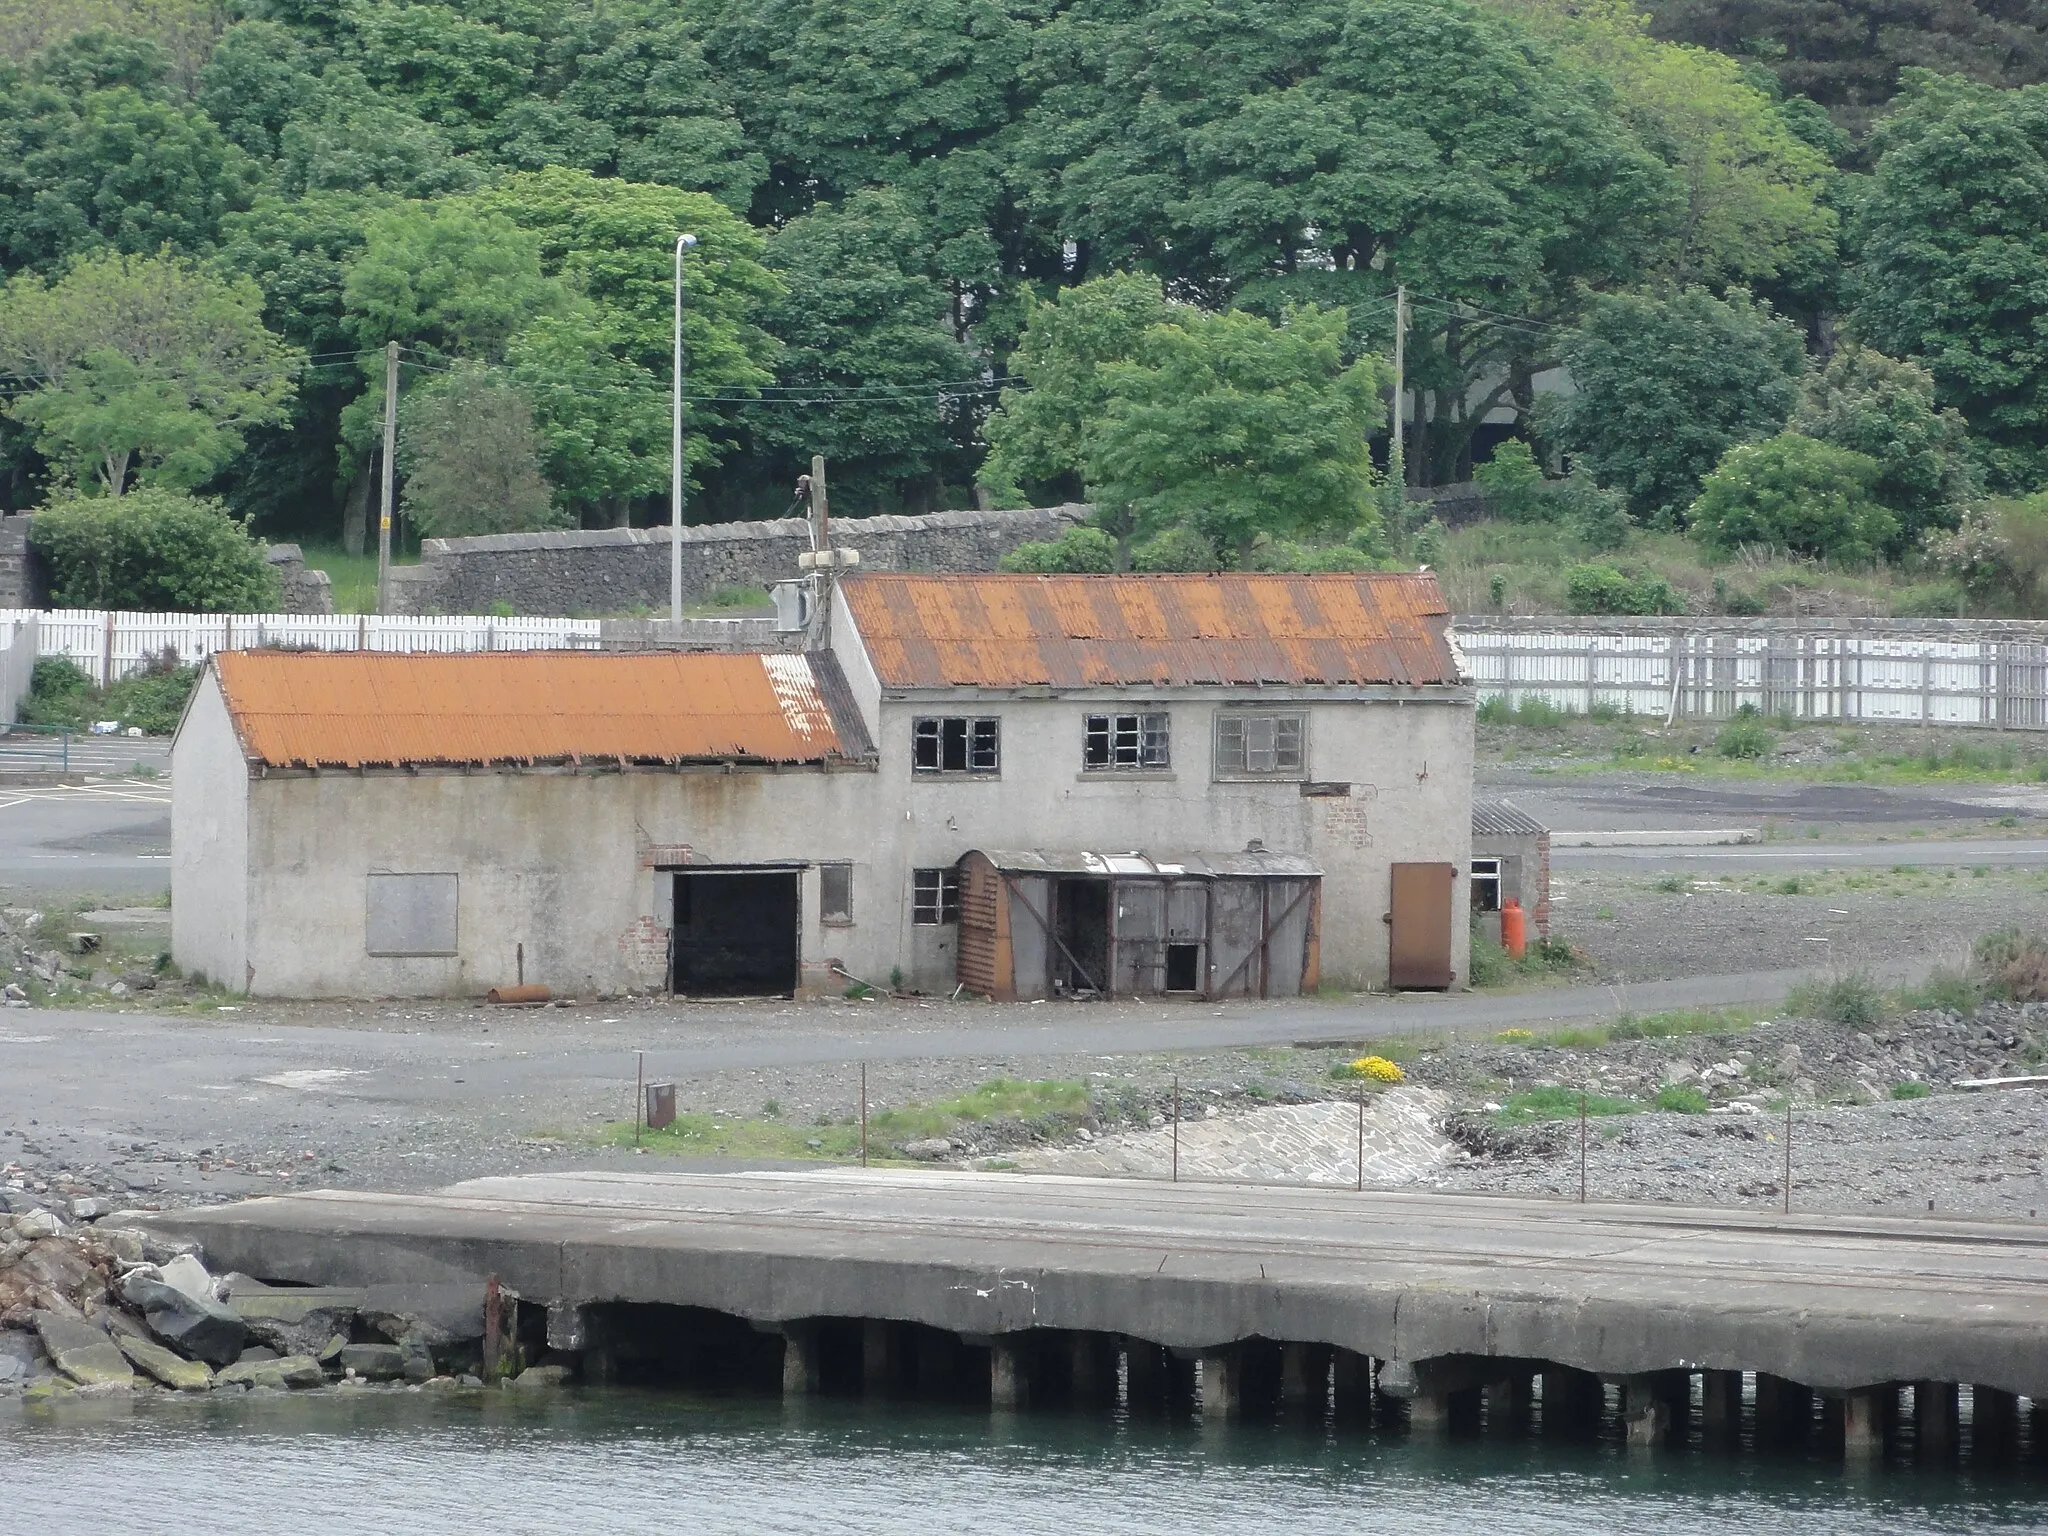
[
  {"x": 411, "y": 915},
  {"x": 835, "y": 892}
]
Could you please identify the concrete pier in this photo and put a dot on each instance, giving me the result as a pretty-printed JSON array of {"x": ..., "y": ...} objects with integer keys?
[{"x": 1447, "y": 1297}]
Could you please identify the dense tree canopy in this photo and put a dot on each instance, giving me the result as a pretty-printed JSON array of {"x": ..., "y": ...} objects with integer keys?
[
  {"x": 1666, "y": 386},
  {"x": 1953, "y": 235},
  {"x": 1096, "y": 211}
]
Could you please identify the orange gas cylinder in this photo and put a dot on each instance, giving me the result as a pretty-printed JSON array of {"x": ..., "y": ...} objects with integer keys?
[{"x": 1514, "y": 928}]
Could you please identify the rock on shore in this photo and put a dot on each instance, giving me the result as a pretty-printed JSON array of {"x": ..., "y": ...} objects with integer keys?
[{"x": 92, "y": 1310}]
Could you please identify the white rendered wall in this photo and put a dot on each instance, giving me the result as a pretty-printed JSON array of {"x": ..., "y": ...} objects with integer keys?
[{"x": 209, "y": 842}]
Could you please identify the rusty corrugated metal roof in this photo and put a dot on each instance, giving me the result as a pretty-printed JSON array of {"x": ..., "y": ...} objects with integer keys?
[
  {"x": 1154, "y": 631},
  {"x": 365, "y": 709}
]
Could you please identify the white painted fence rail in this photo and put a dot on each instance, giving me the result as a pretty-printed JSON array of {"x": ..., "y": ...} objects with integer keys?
[
  {"x": 111, "y": 645},
  {"x": 1989, "y": 673}
]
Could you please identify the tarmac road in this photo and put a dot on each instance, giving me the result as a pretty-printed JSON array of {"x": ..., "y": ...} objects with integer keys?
[{"x": 107, "y": 837}]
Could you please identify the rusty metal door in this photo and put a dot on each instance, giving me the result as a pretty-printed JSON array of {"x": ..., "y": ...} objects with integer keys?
[{"x": 1419, "y": 926}]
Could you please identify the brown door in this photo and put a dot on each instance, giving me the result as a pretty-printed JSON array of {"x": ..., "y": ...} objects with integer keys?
[{"x": 1419, "y": 926}]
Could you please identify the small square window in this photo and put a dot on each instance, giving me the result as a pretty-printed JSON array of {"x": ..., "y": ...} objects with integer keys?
[
  {"x": 1258, "y": 745},
  {"x": 934, "y": 897},
  {"x": 1125, "y": 741},
  {"x": 835, "y": 893},
  {"x": 955, "y": 744}
]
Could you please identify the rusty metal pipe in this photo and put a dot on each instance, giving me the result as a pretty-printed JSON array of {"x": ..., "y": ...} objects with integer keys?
[{"x": 525, "y": 992}]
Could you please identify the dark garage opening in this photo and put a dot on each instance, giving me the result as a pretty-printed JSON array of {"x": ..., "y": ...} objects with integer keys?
[
  {"x": 735, "y": 933},
  {"x": 1183, "y": 967},
  {"x": 1081, "y": 916}
]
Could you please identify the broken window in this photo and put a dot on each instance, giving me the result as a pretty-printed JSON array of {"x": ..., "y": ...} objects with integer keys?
[
  {"x": 954, "y": 744},
  {"x": 934, "y": 896},
  {"x": 1486, "y": 883},
  {"x": 1260, "y": 744},
  {"x": 1125, "y": 741},
  {"x": 835, "y": 893}
]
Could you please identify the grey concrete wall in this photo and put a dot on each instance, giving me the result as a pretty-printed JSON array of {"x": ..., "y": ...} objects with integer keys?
[
  {"x": 210, "y": 841},
  {"x": 616, "y": 570},
  {"x": 18, "y": 651}
]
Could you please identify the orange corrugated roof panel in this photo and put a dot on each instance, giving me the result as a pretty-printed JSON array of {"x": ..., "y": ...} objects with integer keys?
[
  {"x": 1227, "y": 629},
  {"x": 364, "y": 709}
]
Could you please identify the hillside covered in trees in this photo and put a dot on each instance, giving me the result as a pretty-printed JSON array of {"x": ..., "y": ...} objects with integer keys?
[{"x": 1792, "y": 254}]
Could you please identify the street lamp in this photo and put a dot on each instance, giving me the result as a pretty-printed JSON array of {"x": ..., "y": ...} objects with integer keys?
[{"x": 675, "y": 483}]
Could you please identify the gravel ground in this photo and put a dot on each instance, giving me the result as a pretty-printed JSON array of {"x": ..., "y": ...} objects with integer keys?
[{"x": 1654, "y": 925}]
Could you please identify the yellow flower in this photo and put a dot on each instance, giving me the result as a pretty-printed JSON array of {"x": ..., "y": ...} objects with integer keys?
[
  {"x": 1514, "y": 1036},
  {"x": 1379, "y": 1069}
]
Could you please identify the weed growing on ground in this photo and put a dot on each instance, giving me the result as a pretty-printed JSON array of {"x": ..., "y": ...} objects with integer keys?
[
  {"x": 1851, "y": 997},
  {"x": 1054, "y": 1105},
  {"x": 1669, "y": 885},
  {"x": 1560, "y": 1104},
  {"x": 1910, "y": 1090},
  {"x": 1680, "y": 1099}
]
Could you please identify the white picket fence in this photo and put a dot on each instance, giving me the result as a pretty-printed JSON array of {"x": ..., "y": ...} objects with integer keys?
[
  {"x": 1954, "y": 672},
  {"x": 111, "y": 645}
]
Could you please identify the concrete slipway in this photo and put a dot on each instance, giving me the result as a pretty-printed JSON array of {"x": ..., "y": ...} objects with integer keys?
[{"x": 1435, "y": 1296}]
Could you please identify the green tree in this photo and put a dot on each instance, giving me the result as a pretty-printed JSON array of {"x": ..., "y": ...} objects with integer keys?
[
  {"x": 1795, "y": 494},
  {"x": 95, "y": 154},
  {"x": 642, "y": 102},
  {"x": 859, "y": 314},
  {"x": 1953, "y": 238},
  {"x": 1877, "y": 406},
  {"x": 1038, "y": 434},
  {"x": 602, "y": 421},
  {"x": 1753, "y": 188},
  {"x": 1665, "y": 386},
  {"x": 155, "y": 550},
  {"x": 1850, "y": 55},
  {"x": 1276, "y": 152},
  {"x": 1236, "y": 427},
  {"x": 471, "y": 458},
  {"x": 144, "y": 365},
  {"x": 447, "y": 279},
  {"x": 613, "y": 243}
]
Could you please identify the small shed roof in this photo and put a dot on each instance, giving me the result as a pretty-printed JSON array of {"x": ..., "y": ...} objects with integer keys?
[
  {"x": 1228, "y": 628},
  {"x": 1152, "y": 866},
  {"x": 358, "y": 709},
  {"x": 1498, "y": 818}
]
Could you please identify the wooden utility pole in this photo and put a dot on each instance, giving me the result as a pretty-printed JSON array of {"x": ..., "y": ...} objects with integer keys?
[
  {"x": 390, "y": 447},
  {"x": 1397, "y": 453},
  {"x": 818, "y": 503}
]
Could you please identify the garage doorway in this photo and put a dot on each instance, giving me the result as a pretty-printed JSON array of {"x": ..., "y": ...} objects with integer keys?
[
  {"x": 735, "y": 933},
  {"x": 1081, "y": 920}
]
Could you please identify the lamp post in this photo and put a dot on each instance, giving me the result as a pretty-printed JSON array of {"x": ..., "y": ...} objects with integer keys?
[{"x": 675, "y": 483}]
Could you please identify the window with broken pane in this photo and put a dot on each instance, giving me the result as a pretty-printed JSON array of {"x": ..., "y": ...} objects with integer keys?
[
  {"x": 955, "y": 744},
  {"x": 1125, "y": 741},
  {"x": 934, "y": 897}
]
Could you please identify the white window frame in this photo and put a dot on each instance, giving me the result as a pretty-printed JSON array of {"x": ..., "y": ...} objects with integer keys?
[{"x": 1243, "y": 738}]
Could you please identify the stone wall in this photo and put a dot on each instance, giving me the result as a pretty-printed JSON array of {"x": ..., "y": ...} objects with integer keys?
[
  {"x": 618, "y": 570},
  {"x": 299, "y": 590},
  {"x": 22, "y": 583}
]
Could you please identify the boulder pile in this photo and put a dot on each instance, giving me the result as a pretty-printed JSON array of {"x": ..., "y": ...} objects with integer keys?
[{"x": 98, "y": 1308}]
